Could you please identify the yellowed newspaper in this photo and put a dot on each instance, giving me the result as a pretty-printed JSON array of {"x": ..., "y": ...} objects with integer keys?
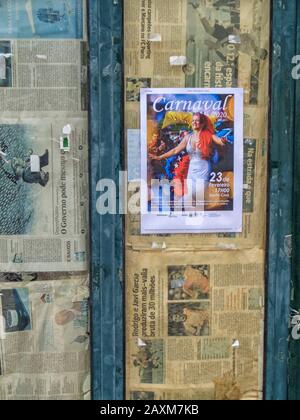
[
  {"x": 154, "y": 31},
  {"x": 44, "y": 287},
  {"x": 44, "y": 137},
  {"x": 44, "y": 340},
  {"x": 44, "y": 208},
  {"x": 226, "y": 45},
  {"x": 195, "y": 322}
]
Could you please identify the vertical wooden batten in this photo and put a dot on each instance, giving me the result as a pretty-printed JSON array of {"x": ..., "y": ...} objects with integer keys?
[
  {"x": 106, "y": 79},
  {"x": 284, "y": 27},
  {"x": 294, "y": 354},
  {"x": 107, "y": 247}
]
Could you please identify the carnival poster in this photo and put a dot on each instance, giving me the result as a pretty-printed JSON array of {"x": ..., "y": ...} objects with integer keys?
[{"x": 191, "y": 160}]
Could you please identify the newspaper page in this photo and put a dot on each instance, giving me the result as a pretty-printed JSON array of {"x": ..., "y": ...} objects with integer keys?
[
  {"x": 43, "y": 136},
  {"x": 44, "y": 292},
  {"x": 44, "y": 340},
  {"x": 39, "y": 276},
  {"x": 154, "y": 31},
  {"x": 194, "y": 323},
  {"x": 43, "y": 76},
  {"x": 44, "y": 216},
  {"x": 191, "y": 160},
  {"x": 226, "y": 45}
]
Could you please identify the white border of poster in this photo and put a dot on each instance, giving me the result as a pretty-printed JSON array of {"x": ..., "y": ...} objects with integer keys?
[{"x": 168, "y": 118}]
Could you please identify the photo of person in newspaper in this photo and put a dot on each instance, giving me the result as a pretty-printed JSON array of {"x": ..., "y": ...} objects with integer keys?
[
  {"x": 188, "y": 319},
  {"x": 22, "y": 169},
  {"x": 188, "y": 282},
  {"x": 224, "y": 35},
  {"x": 38, "y": 183},
  {"x": 32, "y": 338},
  {"x": 149, "y": 362},
  {"x": 193, "y": 146},
  {"x": 18, "y": 179}
]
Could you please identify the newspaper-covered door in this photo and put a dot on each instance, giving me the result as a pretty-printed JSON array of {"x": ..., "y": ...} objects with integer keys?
[
  {"x": 44, "y": 201},
  {"x": 195, "y": 282}
]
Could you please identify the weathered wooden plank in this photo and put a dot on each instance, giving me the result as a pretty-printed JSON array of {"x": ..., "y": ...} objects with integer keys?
[
  {"x": 294, "y": 356},
  {"x": 105, "y": 33},
  {"x": 107, "y": 245},
  {"x": 281, "y": 198}
]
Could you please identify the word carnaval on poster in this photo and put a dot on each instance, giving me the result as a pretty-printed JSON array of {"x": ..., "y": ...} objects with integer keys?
[{"x": 193, "y": 139}]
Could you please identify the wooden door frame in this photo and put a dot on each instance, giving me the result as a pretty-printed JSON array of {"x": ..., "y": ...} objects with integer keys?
[
  {"x": 107, "y": 232},
  {"x": 281, "y": 201}
]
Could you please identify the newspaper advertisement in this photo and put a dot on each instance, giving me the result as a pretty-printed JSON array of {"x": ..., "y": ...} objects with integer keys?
[
  {"x": 41, "y": 19},
  {"x": 44, "y": 340},
  {"x": 249, "y": 69},
  {"x": 192, "y": 160},
  {"x": 44, "y": 219},
  {"x": 194, "y": 322}
]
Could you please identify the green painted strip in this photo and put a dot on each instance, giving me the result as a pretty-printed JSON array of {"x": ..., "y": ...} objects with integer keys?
[
  {"x": 294, "y": 355},
  {"x": 280, "y": 199},
  {"x": 106, "y": 50}
]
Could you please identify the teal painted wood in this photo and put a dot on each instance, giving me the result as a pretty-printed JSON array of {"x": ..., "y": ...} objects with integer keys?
[
  {"x": 107, "y": 233},
  {"x": 281, "y": 199},
  {"x": 106, "y": 49},
  {"x": 294, "y": 356}
]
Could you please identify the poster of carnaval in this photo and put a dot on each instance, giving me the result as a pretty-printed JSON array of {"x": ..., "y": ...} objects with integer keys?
[{"x": 191, "y": 161}]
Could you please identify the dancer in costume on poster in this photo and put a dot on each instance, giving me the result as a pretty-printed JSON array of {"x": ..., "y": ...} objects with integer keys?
[{"x": 192, "y": 160}]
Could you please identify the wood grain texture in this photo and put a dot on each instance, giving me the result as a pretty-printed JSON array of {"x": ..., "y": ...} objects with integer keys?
[
  {"x": 280, "y": 199},
  {"x": 106, "y": 49},
  {"x": 294, "y": 355}
]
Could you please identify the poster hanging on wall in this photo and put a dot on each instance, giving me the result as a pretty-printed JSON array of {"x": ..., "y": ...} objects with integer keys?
[{"x": 191, "y": 160}]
